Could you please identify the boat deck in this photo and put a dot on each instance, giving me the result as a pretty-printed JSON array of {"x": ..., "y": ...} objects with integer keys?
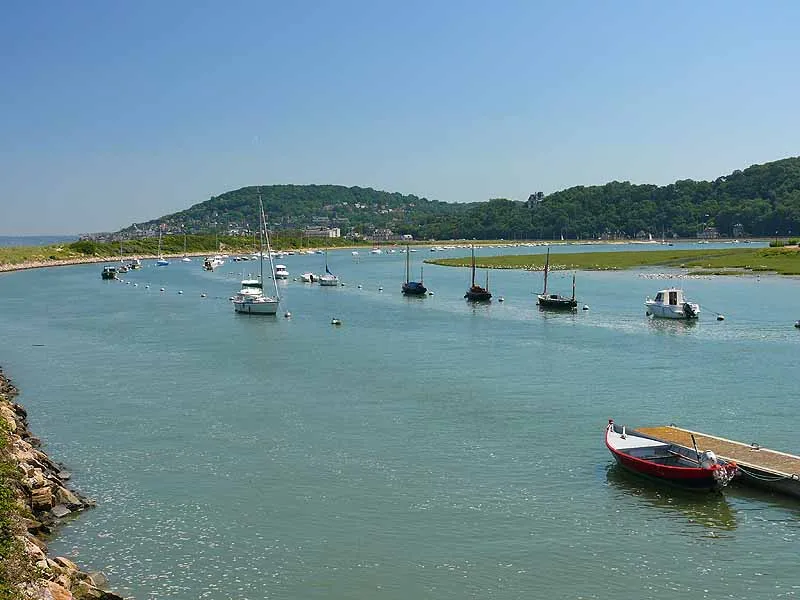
[{"x": 761, "y": 467}]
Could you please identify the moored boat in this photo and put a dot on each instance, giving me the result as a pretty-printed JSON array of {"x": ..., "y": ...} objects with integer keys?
[
  {"x": 328, "y": 279},
  {"x": 476, "y": 293},
  {"x": 671, "y": 304},
  {"x": 212, "y": 262},
  {"x": 555, "y": 301},
  {"x": 670, "y": 463},
  {"x": 281, "y": 272},
  {"x": 251, "y": 299},
  {"x": 109, "y": 273},
  {"x": 413, "y": 288}
]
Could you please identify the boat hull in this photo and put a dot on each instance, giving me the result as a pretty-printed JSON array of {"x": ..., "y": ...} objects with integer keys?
[
  {"x": 256, "y": 307},
  {"x": 328, "y": 281},
  {"x": 414, "y": 288},
  {"x": 555, "y": 302},
  {"x": 669, "y": 311},
  {"x": 667, "y": 463},
  {"x": 478, "y": 294}
]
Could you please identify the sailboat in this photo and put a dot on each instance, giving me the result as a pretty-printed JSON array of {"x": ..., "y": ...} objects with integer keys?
[
  {"x": 251, "y": 298},
  {"x": 185, "y": 258},
  {"x": 328, "y": 279},
  {"x": 546, "y": 300},
  {"x": 413, "y": 288},
  {"x": 161, "y": 261},
  {"x": 475, "y": 292}
]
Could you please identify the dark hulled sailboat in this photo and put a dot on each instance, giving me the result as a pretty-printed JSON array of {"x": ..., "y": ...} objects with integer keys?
[
  {"x": 555, "y": 301},
  {"x": 476, "y": 293},
  {"x": 412, "y": 288}
]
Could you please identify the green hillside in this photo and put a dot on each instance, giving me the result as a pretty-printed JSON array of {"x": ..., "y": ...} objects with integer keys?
[{"x": 762, "y": 200}]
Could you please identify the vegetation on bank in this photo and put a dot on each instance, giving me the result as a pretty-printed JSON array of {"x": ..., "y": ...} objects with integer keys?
[
  {"x": 170, "y": 245},
  {"x": 16, "y": 567},
  {"x": 784, "y": 261},
  {"x": 759, "y": 201}
]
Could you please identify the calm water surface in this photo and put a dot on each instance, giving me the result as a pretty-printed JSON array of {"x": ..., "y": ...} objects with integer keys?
[{"x": 425, "y": 448}]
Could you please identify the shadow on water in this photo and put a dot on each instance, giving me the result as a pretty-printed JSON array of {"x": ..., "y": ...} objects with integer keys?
[
  {"x": 711, "y": 510},
  {"x": 671, "y": 326}
]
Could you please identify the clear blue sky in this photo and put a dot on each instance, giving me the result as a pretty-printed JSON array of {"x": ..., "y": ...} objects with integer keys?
[{"x": 117, "y": 112}]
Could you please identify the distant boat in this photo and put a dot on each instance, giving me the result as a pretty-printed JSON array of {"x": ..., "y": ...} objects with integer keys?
[
  {"x": 251, "y": 299},
  {"x": 212, "y": 262},
  {"x": 669, "y": 463},
  {"x": 161, "y": 261},
  {"x": 476, "y": 293},
  {"x": 554, "y": 301},
  {"x": 309, "y": 278},
  {"x": 671, "y": 304},
  {"x": 413, "y": 288},
  {"x": 328, "y": 279},
  {"x": 109, "y": 273},
  {"x": 185, "y": 258},
  {"x": 281, "y": 272}
]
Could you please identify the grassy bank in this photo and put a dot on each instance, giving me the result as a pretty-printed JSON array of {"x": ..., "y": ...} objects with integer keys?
[
  {"x": 170, "y": 246},
  {"x": 734, "y": 261}
]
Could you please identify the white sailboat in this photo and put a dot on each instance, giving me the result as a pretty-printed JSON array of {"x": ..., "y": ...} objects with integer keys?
[
  {"x": 185, "y": 258},
  {"x": 251, "y": 299},
  {"x": 160, "y": 261},
  {"x": 328, "y": 279}
]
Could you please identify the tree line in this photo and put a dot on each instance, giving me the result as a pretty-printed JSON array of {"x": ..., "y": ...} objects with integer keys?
[{"x": 762, "y": 200}]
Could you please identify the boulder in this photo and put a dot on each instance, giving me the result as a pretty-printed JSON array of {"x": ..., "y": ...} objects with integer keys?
[
  {"x": 41, "y": 499},
  {"x": 68, "y": 498},
  {"x": 60, "y": 511}
]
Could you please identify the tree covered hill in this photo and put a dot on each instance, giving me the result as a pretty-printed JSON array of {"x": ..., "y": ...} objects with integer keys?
[
  {"x": 762, "y": 200},
  {"x": 296, "y": 207}
]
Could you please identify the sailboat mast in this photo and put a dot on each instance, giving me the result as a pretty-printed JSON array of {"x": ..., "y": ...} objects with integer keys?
[
  {"x": 408, "y": 264},
  {"x": 269, "y": 248},
  {"x": 546, "y": 269},
  {"x": 473, "y": 266},
  {"x": 573, "y": 286}
]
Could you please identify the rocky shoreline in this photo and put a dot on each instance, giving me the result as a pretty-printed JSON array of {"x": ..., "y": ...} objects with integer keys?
[{"x": 42, "y": 489}]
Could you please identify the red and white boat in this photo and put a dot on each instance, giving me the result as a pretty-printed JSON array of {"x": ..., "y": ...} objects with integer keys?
[{"x": 670, "y": 463}]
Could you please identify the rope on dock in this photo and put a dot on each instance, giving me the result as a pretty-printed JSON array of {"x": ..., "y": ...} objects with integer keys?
[{"x": 767, "y": 478}]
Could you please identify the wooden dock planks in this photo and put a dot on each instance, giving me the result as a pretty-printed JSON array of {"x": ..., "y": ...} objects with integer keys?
[{"x": 744, "y": 455}]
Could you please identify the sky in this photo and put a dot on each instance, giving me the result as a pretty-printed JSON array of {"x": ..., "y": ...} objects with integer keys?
[{"x": 121, "y": 112}]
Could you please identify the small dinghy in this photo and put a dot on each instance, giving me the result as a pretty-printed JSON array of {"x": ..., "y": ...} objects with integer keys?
[{"x": 673, "y": 464}]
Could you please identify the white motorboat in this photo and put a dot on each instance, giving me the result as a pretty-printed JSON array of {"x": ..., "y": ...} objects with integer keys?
[
  {"x": 212, "y": 262},
  {"x": 281, "y": 272},
  {"x": 309, "y": 278},
  {"x": 671, "y": 304},
  {"x": 251, "y": 299}
]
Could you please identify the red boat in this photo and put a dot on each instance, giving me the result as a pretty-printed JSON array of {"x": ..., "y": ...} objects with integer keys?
[{"x": 670, "y": 463}]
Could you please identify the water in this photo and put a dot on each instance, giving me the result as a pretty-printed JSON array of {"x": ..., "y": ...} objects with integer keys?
[
  {"x": 425, "y": 448},
  {"x": 35, "y": 240}
]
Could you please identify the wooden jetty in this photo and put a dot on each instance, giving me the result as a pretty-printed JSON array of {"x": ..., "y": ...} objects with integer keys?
[{"x": 758, "y": 467}]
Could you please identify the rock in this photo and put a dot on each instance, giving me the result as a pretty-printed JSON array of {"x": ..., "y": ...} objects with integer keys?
[
  {"x": 57, "y": 592},
  {"x": 97, "y": 579},
  {"x": 66, "y": 563},
  {"x": 41, "y": 499},
  {"x": 68, "y": 498},
  {"x": 60, "y": 511}
]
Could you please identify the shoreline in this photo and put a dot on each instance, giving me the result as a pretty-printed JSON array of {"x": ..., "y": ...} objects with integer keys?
[{"x": 43, "y": 491}]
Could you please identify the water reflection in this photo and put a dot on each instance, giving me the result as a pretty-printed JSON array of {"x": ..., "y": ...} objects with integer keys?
[
  {"x": 710, "y": 510},
  {"x": 671, "y": 326}
]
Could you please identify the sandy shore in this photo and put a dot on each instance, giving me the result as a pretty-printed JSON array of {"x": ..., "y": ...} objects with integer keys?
[{"x": 7, "y": 267}]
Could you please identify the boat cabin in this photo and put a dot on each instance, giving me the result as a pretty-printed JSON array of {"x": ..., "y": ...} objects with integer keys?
[{"x": 672, "y": 296}]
